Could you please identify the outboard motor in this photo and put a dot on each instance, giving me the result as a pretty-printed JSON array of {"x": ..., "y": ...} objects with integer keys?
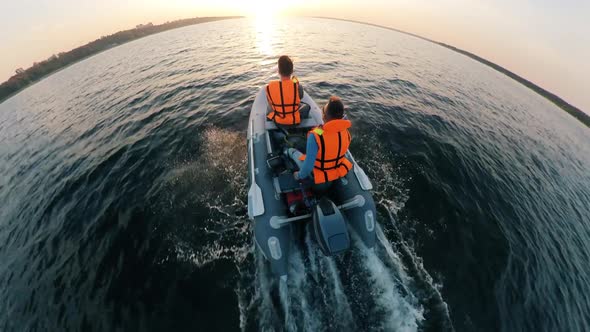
[{"x": 328, "y": 228}]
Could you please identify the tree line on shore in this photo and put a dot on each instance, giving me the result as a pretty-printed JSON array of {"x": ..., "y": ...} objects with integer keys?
[{"x": 26, "y": 77}]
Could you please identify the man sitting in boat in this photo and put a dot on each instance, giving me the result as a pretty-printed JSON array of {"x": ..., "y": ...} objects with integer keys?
[
  {"x": 284, "y": 96},
  {"x": 326, "y": 147}
]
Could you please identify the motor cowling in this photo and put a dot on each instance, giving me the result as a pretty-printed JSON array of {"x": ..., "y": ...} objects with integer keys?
[{"x": 328, "y": 228}]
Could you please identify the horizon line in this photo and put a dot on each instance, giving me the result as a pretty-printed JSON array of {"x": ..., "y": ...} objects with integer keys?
[{"x": 520, "y": 79}]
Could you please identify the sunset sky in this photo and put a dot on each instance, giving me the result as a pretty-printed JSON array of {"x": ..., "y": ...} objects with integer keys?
[{"x": 545, "y": 41}]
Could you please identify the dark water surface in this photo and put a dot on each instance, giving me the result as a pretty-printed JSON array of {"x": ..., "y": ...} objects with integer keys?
[{"x": 123, "y": 199}]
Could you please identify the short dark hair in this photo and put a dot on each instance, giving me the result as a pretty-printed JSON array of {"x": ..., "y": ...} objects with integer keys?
[
  {"x": 334, "y": 109},
  {"x": 285, "y": 66}
]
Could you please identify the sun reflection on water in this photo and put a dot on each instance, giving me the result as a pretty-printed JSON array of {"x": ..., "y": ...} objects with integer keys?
[{"x": 264, "y": 27}]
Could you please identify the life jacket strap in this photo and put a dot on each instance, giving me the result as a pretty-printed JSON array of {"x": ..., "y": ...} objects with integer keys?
[{"x": 330, "y": 168}]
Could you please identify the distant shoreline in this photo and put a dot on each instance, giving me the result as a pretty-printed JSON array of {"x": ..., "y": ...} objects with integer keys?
[
  {"x": 39, "y": 71},
  {"x": 558, "y": 101},
  {"x": 31, "y": 83},
  {"x": 25, "y": 78}
]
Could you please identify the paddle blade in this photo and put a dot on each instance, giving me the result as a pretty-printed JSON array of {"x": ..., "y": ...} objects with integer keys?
[{"x": 255, "y": 201}]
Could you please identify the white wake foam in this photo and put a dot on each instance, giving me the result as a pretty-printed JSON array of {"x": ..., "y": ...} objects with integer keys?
[{"x": 315, "y": 298}]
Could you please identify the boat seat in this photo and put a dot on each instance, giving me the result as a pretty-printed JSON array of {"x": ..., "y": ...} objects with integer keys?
[
  {"x": 305, "y": 123},
  {"x": 285, "y": 183}
]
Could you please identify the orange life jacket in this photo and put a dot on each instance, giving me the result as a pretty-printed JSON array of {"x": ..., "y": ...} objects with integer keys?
[
  {"x": 283, "y": 97},
  {"x": 333, "y": 140}
]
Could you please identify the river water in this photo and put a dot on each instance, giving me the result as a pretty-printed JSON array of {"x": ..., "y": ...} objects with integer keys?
[{"x": 123, "y": 190}]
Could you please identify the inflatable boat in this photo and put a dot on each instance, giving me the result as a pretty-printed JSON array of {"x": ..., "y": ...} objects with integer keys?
[{"x": 281, "y": 207}]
